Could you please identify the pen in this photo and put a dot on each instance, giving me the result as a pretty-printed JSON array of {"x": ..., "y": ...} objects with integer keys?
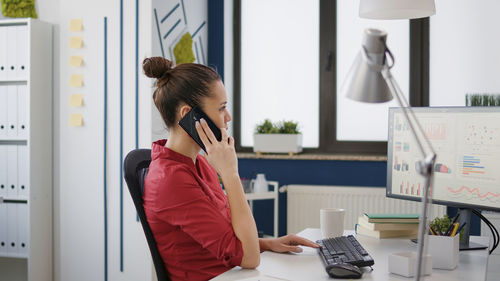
[
  {"x": 460, "y": 228},
  {"x": 432, "y": 231},
  {"x": 450, "y": 227},
  {"x": 454, "y": 231}
]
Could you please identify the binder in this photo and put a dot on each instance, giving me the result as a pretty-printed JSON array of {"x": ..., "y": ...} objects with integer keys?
[
  {"x": 3, "y": 171},
  {"x": 11, "y": 171},
  {"x": 3, "y": 228},
  {"x": 12, "y": 111},
  {"x": 3, "y": 52},
  {"x": 3, "y": 109},
  {"x": 11, "y": 52},
  {"x": 12, "y": 236},
  {"x": 22, "y": 228},
  {"x": 22, "y": 52},
  {"x": 22, "y": 172},
  {"x": 22, "y": 113}
]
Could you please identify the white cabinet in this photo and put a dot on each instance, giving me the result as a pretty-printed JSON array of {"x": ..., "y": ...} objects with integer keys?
[{"x": 25, "y": 150}]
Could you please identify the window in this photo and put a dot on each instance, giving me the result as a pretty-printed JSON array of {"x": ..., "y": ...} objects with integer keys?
[
  {"x": 279, "y": 65},
  {"x": 307, "y": 93},
  {"x": 465, "y": 54}
]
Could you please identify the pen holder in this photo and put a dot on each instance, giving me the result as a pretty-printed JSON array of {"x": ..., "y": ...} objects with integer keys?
[{"x": 444, "y": 251}]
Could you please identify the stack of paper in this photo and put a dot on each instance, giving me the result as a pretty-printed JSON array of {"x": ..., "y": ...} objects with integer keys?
[{"x": 388, "y": 225}]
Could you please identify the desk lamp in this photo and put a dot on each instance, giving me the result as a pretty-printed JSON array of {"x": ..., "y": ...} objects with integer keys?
[{"x": 370, "y": 80}]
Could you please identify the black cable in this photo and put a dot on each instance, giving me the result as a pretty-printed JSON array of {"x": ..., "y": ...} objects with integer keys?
[
  {"x": 498, "y": 237},
  {"x": 495, "y": 245},
  {"x": 488, "y": 223},
  {"x": 494, "y": 231}
]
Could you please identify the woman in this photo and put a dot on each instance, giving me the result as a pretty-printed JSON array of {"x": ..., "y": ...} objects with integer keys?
[{"x": 200, "y": 231}]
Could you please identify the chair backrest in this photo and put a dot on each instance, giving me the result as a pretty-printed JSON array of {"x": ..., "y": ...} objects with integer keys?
[{"x": 136, "y": 166}]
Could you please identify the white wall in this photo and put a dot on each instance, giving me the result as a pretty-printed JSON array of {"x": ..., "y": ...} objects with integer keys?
[
  {"x": 78, "y": 152},
  {"x": 79, "y": 228}
]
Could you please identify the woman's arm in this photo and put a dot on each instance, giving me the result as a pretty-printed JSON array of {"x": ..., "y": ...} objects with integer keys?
[
  {"x": 242, "y": 221},
  {"x": 287, "y": 243},
  {"x": 222, "y": 156}
]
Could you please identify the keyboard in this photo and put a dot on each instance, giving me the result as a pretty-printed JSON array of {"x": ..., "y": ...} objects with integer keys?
[{"x": 344, "y": 249}]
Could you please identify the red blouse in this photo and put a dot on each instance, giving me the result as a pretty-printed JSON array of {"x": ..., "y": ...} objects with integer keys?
[{"x": 189, "y": 215}]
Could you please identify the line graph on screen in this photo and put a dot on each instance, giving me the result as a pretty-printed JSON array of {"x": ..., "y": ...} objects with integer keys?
[{"x": 467, "y": 192}]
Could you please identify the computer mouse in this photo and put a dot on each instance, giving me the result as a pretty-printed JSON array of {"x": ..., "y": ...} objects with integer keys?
[{"x": 343, "y": 270}]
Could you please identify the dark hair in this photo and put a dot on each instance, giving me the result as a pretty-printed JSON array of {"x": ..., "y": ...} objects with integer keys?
[{"x": 184, "y": 83}]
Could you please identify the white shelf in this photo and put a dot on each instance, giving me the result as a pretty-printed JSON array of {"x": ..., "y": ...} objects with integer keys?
[
  {"x": 7, "y": 81},
  {"x": 260, "y": 196},
  {"x": 20, "y": 21},
  {"x": 26, "y": 220},
  {"x": 13, "y": 256},
  {"x": 11, "y": 198},
  {"x": 273, "y": 195},
  {"x": 16, "y": 139}
]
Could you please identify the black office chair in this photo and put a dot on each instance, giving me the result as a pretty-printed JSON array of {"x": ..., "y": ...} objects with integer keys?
[{"x": 136, "y": 166}]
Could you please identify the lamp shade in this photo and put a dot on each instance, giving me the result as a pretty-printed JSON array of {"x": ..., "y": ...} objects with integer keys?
[
  {"x": 396, "y": 9},
  {"x": 364, "y": 81}
]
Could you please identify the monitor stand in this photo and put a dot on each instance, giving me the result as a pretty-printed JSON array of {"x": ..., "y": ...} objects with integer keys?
[{"x": 465, "y": 244}]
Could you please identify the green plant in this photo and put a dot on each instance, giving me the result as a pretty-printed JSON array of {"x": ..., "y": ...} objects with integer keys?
[
  {"x": 19, "y": 8},
  {"x": 282, "y": 127},
  {"x": 183, "y": 50},
  {"x": 289, "y": 127},
  {"x": 442, "y": 224},
  {"x": 478, "y": 99}
]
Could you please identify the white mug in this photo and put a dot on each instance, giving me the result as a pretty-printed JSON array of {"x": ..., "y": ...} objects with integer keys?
[{"x": 331, "y": 222}]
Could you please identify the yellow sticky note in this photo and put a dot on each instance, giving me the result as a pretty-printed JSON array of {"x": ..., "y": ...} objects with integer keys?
[
  {"x": 75, "y": 25},
  {"x": 75, "y": 61},
  {"x": 76, "y": 120},
  {"x": 75, "y": 42},
  {"x": 76, "y": 80},
  {"x": 76, "y": 100}
]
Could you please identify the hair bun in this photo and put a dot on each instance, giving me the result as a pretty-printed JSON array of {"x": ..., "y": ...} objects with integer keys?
[{"x": 156, "y": 67}]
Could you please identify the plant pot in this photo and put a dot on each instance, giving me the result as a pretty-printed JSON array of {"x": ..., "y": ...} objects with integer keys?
[{"x": 277, "y": 143}]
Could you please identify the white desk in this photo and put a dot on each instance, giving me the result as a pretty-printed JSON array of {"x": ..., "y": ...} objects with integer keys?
[{"x": 307, "y": 265}]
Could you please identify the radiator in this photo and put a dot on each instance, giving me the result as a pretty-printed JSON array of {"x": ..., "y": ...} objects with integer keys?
[{"x": 305, "y": 201}]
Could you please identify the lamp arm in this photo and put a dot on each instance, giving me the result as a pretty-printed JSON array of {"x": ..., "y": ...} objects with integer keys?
[
  {"x": 424, "y": 166},
  {"x": 409, "y": 114}
]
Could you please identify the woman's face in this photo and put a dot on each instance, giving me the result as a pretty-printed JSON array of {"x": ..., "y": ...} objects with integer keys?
[{"x": 215, "y": 106}]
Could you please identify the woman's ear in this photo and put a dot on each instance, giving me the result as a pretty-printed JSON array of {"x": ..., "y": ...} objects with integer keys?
[{"x": 184, "y": 110}]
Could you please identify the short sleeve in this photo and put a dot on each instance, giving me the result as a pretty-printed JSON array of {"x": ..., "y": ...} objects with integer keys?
[{"x": 185, "y": 205}]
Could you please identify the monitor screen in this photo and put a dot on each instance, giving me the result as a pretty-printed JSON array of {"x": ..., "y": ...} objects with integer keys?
[{"x": 467, "y": 144}]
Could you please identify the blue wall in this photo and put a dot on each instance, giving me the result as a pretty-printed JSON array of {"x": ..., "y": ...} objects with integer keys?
[
  {"x": 318, "y": 172},
  {"x": 215, "y": 51}
]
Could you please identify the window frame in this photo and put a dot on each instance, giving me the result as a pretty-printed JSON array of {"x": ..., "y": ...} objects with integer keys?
[{"x": 328, "y": 143}]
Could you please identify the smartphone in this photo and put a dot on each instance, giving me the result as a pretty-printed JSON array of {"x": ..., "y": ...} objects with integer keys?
[{"x": 188, "y": 124}]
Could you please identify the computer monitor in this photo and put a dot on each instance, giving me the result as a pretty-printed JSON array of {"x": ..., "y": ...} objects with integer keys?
[{"x": 467, "y": 169}]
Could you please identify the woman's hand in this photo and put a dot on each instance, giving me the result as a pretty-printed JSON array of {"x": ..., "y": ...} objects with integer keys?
[
  {"x": 288, "y": 243},
  {"x": 221, "y": 155}
]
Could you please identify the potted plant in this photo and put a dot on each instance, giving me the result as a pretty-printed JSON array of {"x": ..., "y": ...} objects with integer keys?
[{"x": 281, "y": 137}]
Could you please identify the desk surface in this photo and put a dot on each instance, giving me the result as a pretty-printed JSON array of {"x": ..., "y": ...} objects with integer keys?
[{"x": 308, "y": 266}]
